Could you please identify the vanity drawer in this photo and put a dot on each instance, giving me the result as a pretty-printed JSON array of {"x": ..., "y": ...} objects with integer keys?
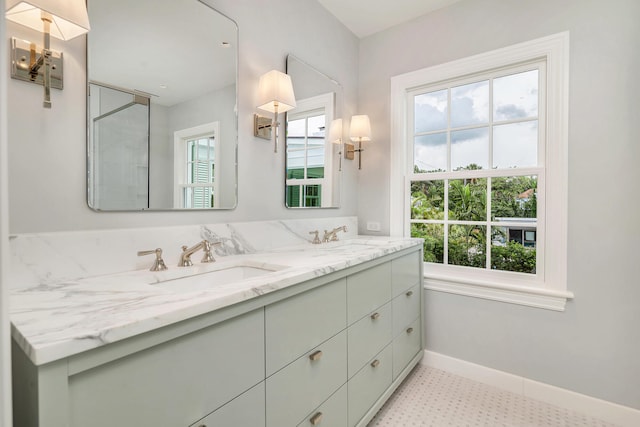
[
  {"x": 297, "y": 324},
  {"x": 368, "y": 290},
  {"x": 368, "y": 336},
  {"x": 406, "y": 346},
  {"x": 406, "y": 308},
  {"x": 369, "y": 384},
  {"x": 303, "y": 385},
  {"x": 332, "y": 413},
  {"x": 175, "y": 383},
  {"x": 405, "y": 272},
  {"x": 245, "y": 410}
]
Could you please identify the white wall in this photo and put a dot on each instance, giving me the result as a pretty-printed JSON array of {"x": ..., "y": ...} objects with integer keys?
[
  {"x": 593, "y": 346},
  {"x": 47, "y": 147}
]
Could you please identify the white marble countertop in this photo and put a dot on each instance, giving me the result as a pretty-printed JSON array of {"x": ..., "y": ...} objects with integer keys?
[{"x": 53, "y": 321}]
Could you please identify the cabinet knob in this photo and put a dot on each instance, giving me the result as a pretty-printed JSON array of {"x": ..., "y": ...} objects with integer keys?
[
  {"x": 409, "y": 330},
  {"x": 375, "y": 363},
  {"x": 315, "y": 420},
  {"x": 316, "y": 355},
  {"x": 375, "y": 316},
  {"x": 409, "y": 293}
]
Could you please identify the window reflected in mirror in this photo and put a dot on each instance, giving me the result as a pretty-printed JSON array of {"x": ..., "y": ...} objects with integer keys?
[
  {"x": 312, "y": 178},
  {"x": 306, "y": 155}
]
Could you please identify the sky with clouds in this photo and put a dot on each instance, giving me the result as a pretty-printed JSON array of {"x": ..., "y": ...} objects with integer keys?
[{"x": 515, "y": 127}]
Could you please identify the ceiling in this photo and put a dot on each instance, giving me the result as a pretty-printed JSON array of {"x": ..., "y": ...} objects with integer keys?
[{"x": 366, "y": 17}]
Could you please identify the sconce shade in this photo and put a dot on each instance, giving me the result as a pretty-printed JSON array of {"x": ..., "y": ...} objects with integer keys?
[
  {"x": 360, "y": 129},
  {"x": 275, "y": 92},
  {"x": 69, "y": 17},
  {"x": 335, "y": 133}
]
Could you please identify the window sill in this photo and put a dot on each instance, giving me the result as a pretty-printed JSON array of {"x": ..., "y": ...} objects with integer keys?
[{"x": 528, "y": 296}]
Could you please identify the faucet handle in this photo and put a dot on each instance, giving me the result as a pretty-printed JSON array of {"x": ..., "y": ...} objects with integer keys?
[
  {"x": 206, "y": 248},
  {"x": 316, "y": 239},
  {"x": 158, "y": 264}
]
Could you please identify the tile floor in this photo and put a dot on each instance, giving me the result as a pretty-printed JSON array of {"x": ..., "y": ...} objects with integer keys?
[{"x": 435, "y": 398}]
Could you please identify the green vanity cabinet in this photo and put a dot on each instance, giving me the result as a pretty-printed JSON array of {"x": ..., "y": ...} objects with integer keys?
[
  {"x": 324, "y": 352},
  {"x": 174, "y": 383},
  {"x": 245, "y": 410}
]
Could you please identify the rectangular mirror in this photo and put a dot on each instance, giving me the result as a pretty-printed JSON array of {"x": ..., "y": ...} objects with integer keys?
[
  {"x": 162, "y": 124},
  {"x": 313, "y": 162}
]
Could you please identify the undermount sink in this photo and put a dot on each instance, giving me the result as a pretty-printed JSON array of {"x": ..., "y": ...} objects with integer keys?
[{"x": 222, "y": 275}]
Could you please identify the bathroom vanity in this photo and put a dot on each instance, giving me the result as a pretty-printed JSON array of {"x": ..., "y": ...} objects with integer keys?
[{"x": 303, "y": 336}]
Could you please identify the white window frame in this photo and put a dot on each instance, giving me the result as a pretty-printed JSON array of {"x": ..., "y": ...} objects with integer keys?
[
  {"x": 549, "y": 289},
  {"x": 180, "y": 139}
]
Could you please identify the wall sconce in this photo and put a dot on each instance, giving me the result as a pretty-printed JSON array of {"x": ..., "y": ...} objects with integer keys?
[
  {"x": 360, "y": 130},
  {"x": 275, "y": 95},
  {"x": 61, "y": 19},
  {"x": 335, "y": 136}
]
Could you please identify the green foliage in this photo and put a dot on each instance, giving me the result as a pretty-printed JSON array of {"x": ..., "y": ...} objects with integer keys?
[
  {"x": 513, "y": 257},
  {"x": 433, "y": 235},
  {"x": 467, "y": 245},
  {"x": 468, "y": 199},
  {"x": 511, "y": 197},
  {"x": 505, "y": 200},
  {"x": 427, "y": 199}
]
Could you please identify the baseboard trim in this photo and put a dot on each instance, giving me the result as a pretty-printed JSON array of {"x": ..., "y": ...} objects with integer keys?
[{"x": 606, "y": 411}]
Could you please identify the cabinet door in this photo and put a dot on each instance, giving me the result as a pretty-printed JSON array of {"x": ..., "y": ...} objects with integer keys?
[
  {"x": 297, "y": 324},
  {"x": 366, "y": 387},
  {"x": 368, "y": 290},
  {"x": 405, "y": 347},
  {"x": 368, "y": 336},
  {"x": 406, "y": 308},
  {"x": 245, "y": 410},
  {"x": 173, "y": 384},
  {"x": 332, "y": 413},
  {"x": 303, "y": 385},
  {"x": 406, "y": 272}
]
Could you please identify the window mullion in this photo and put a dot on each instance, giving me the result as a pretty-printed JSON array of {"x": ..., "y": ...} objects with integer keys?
[{"x": 445, "y": 255}]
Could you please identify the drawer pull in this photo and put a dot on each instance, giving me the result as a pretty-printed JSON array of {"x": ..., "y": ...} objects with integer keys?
[
  {"x": 315, "y": 420},
  {"x": 409, "y": 330},
  {"x": 409, "y": 293},
  {"x": 375, "y": 363},
  {"x": 375, "y": 316},
  {"x": 316, "y": 355}
]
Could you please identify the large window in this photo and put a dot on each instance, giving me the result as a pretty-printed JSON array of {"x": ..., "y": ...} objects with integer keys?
[
  {"x": 479, "y": 172},
  {"x": 477, "y": 158}
]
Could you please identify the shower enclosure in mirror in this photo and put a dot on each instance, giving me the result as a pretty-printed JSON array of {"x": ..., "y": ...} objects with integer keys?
[
  {"x": 313, "y": 174},
  {"x": 162, "y": 125}
]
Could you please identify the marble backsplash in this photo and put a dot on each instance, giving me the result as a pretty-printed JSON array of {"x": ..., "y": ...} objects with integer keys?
[{"x": 47, "y": 258}]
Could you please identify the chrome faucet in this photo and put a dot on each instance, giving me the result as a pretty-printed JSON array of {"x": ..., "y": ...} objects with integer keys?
[
  {"x": 205, "y": 245},
  {"x": 332, "y": 236},
  {"x": 158, "y": 264}
]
